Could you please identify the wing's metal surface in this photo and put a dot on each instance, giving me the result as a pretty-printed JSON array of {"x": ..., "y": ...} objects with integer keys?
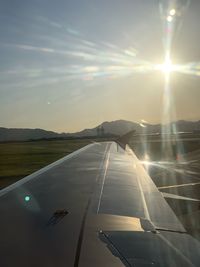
[
  {"x": 95, "y": 207},
  {"x": 129, "y": 191}
]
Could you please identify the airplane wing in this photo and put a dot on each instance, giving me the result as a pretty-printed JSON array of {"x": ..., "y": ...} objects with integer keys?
[{"x": 95, "y": 207}]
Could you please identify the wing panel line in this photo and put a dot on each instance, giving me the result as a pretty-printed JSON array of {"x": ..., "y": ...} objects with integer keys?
[{"x": 104, "y": 177}]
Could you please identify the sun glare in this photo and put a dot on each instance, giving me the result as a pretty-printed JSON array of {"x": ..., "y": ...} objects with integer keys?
[
  {"x": 169, "y": 18},
  {"x": 166, "y": 67},
  {"x": 172, "y": 12}
]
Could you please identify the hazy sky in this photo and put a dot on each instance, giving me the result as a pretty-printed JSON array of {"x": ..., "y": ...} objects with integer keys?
[{"x": 66, "y": 65}]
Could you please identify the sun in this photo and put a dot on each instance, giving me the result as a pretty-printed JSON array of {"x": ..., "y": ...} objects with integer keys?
[{"x": 166, "y": 67}]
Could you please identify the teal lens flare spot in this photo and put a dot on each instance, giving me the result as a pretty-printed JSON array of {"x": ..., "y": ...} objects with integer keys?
[{"x": 27, "y": 198}]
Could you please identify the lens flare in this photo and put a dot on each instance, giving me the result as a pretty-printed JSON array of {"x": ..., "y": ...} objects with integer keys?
[
  {"x": 166, "y": 67},
  {"x": 169, "y": 18},
  {"x": 27, "y": 198},
  {"x": 172, "y": 12}
]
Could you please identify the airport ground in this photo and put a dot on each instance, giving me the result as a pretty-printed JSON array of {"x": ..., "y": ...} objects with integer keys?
[
  {"x": 175, "y": 172},
  {"x": 19, "y": 159}
]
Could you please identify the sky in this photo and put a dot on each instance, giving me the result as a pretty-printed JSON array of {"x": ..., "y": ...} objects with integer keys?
[{"x": 67, "y": 65}]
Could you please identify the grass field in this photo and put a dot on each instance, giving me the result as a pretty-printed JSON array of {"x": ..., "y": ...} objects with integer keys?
[{"x": 18, "y": 159}]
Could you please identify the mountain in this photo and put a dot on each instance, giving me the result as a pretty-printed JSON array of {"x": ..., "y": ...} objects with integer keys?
[
  {"x": 17, "y": 134},
  {"x": 118, "y": 127},
  {"x": 187, "y": 126}
]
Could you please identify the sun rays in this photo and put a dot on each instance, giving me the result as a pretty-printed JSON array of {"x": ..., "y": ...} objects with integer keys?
[{"x": 88, "y": 61}]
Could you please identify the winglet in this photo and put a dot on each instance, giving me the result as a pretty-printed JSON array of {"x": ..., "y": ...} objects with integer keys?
[{"x": 124, "y": 139}]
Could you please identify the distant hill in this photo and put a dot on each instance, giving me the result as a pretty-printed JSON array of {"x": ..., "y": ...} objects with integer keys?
[
  {"x": 187, "y": 126},
  {"x": 118, "y": 127},
  {"x": 18, "y": 134}
]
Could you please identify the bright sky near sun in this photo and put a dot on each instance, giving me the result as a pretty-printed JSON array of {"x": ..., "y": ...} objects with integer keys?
[{"x": 70, "y": 65}]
